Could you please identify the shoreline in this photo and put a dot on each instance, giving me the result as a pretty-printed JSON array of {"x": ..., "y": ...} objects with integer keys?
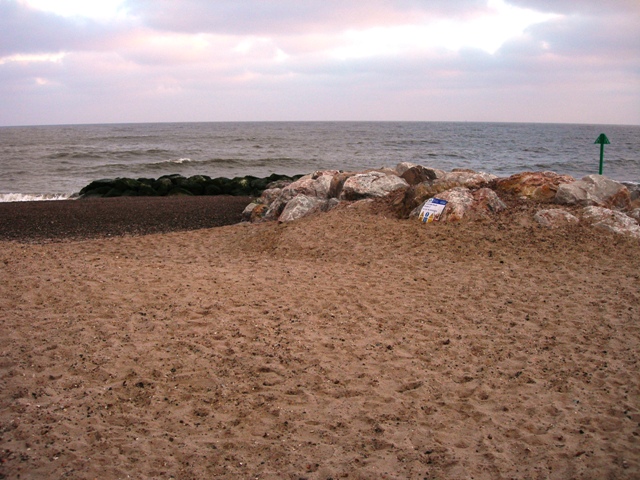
[{"x": 103, "y": 217}]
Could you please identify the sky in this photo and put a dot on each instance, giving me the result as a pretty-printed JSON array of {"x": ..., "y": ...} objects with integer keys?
[{"x": 120, "y": 61}]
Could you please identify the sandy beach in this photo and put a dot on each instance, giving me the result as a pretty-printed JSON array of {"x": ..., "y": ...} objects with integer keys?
[{"x": 349, "y": 344}]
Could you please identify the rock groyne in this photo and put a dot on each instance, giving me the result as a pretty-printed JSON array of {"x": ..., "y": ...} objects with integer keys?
[{"x": 174, "y": 185}]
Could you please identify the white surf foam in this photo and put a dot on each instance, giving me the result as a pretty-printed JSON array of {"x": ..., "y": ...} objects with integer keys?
[{"x": 27, "y": 197}]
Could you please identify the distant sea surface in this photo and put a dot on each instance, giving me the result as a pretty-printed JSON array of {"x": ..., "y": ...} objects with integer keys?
[{"x": 53, "y": 162}]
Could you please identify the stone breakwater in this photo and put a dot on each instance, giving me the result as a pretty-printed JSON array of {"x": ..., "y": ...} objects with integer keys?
[
  {"x": 562, "y": 200},
  {"x": 174, "y": 185}
]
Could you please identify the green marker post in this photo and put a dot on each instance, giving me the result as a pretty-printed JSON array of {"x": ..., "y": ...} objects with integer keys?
[{"x": 602, "y": 140}]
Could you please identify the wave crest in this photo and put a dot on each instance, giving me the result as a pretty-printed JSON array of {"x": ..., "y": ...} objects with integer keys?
[{"x": 28, "y": 197}]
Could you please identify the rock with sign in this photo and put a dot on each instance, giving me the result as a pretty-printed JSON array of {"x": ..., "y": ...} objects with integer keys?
[{"x": 431, "y": 210}]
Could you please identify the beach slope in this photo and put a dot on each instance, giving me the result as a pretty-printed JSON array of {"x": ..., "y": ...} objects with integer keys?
[{"x": 345, "y": 345}]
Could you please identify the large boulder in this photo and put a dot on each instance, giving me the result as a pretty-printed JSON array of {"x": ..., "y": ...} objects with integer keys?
[
  {"x": 594, "y": 190},
  {"x": 555, "y": 217},
  {"x": 634, "y": 190},
  {"x": 486, "y": 201},
  {"x": 97, "y": 188},
  {"x": 254, "y": 212},
  {"x": 195, "y": 184},
  {"x": 539, "y": 186},
  {"x": 404, "y": 203},
  {"x": 419, "y": 174},
  {"x": 369, "y": 185},
  {"x": 459, "y": 202},
  {"x": 126, "y": 184},
  {"x": 299, "y": 206},
  {"x": 303, "y": 205},
  {"x": 145, "y": 189},
  {"x": 269, "y": 195},
  {"x": 463, "y": 178},
  {"x": 276, "y": 207},
  {"x": 453, "y": 179},
  {"x": 162, "y": 185},
  {"x": 117, "y": 187},
  {"x": 179, "y": 192},
  {"x": 403, "y": 167},
  {"x": 468, "y": 204},
  {"x": 337, "y": 182},
  {"x": 316, "y": 184},
  {"x": 612, "y": 220}
]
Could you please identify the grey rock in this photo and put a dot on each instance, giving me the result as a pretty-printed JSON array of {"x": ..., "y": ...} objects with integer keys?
[
  {"x": 596, "y": 190},
  {"x": 634, "y": 190}
]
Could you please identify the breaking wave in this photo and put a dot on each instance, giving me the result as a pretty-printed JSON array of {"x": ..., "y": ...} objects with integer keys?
[{"x": 27, "y": 197}]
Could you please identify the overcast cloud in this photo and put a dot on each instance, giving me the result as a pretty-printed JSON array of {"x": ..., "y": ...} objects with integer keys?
[{"x": 226, "y": 60}]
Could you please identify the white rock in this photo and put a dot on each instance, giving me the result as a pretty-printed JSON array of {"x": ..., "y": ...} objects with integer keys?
[
  {"x": 311, "y": 185},
  {"x": 300, "y": 206},
  {"x": 463, "y": 178},
  {"x": 371, "y": 184},
  {"x": 612, "y": 220},
  {"x": 555, "y": 217}
]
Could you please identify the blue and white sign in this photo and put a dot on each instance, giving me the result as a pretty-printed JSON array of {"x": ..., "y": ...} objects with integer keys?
[{"x": 432, "y": 210}]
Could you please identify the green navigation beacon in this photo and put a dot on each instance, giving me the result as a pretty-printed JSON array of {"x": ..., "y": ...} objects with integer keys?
[{"x": 602, "y": 140}]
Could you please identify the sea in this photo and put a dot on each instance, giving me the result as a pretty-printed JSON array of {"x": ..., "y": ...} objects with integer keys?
[{"x": 55, "y": 162}]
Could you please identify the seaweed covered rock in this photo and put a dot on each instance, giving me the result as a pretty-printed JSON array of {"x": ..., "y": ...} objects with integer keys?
[{"x": 179, "y": 185}]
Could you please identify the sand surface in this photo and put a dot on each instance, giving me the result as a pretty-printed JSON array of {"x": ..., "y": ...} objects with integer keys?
[{"x": 345, "y": 345}]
